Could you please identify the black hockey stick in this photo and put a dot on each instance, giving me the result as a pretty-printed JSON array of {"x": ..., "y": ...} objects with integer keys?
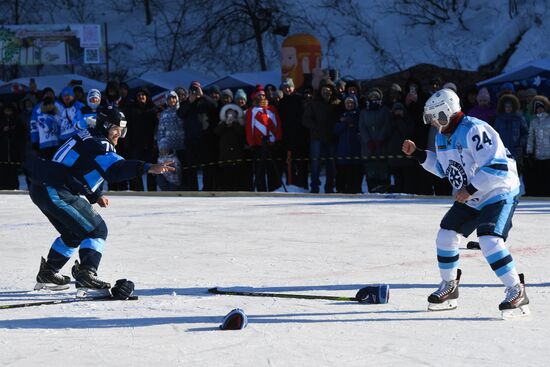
[
  {"x": 63, "y": 301},
  {"x": 282, "y": 295}
]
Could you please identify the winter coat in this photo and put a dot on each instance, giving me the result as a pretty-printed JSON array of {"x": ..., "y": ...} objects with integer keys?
[
  {"x": 262, "y": 124},
  {"x": 320, "y": 116},
  {"x": 142, "y": 123},
  {"x": 231, "y": 143},
  {"x": 12, "y": 139},
  {"x": 170, "y": 133},
  {"x": 513, "y": 132},
  {"x": 375, "y": 129},
  {"x": 196, "y": 117},
  {"x": 44, "y": 128},
  {"x": 484, "y": 113},
  {"x": 538, "y": 141},
  {"x": 295, "y": 135},
  {"x": 349, "y": 141}
]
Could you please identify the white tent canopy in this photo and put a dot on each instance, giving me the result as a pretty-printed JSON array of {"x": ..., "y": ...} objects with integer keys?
[
  {"x": 521, "y": 72},
  {"x": 58, "y": 82},
  {"x": 250, "y": 79},
  {"x": 169, "y": 79}
]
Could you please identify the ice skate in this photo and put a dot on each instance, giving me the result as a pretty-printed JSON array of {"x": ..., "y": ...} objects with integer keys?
[
  {"x": 446, "y": 297},
  {"x": 49, "y": 279},
  {"x": 516, "y": 301},
  {"x": 87, "y": 282}
]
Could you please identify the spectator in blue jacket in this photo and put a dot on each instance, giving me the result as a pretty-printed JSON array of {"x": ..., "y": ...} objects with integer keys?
[
  {"x": 349, "y": 170},
  {"x": 511, "y": 126}
]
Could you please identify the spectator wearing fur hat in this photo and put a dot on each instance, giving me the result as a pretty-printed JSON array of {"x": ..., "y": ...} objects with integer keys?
[
  {"x": 469, "y": 99},
  {"x": 320, "y": 116},
  {"x": 170, "y": 140},
  {"x": 142, "y": 124},
  {"x": 484, "y": 110},
  {"x": 538, "y": 146},
  {"x": 295, "y": 135},
  {"x": 233, "y": 169},
  {"x": 375, "y": 130},
  {"x": 511, "y": 127},
  {"x": 349, "y": 166},
  {"x": 270, "y": 94},
  {"x": 263, "y": 133}
]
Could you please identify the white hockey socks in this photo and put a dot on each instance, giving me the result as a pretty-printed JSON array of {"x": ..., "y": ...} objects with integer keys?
[
  {"x": 447, "y": 243},
  {"x": 500, "y": 259}
]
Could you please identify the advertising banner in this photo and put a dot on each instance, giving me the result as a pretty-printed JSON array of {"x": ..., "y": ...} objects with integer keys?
[{"x": 52, "y": 44}]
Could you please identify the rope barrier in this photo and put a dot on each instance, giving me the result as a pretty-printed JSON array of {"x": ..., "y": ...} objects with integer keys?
[{"x": 249, "y": 160}]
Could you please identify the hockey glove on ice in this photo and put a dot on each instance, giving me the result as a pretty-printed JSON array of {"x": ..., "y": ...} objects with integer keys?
[{"x": 123, "y": 289}]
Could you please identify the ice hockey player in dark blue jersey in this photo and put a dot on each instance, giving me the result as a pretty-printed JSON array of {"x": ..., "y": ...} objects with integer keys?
[{"x": 79, "y": 167}]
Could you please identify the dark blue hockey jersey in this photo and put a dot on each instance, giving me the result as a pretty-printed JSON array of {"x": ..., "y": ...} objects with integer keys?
[{"x": 82, "y": 164}]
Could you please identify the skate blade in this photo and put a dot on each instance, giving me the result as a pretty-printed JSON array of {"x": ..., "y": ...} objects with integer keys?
[
  {"x": 515, "y": 313},
  {"x": 444, "y": 306},
  {"x": 50, "y": 287},
  {"x": 90, "y": 292}
]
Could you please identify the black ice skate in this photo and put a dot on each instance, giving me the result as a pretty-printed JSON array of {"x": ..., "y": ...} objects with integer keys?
[
  {"x": 49, "y": 279},
  {"x": 87, "y": 282},
  {"x": 516, "y": 301},
  {"x": 446, "y": 297}
]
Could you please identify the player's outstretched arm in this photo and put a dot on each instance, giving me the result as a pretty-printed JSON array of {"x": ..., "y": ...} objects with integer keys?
[
  {"x": 408, "y": 147},
  {"x": 160, "y": 168}
]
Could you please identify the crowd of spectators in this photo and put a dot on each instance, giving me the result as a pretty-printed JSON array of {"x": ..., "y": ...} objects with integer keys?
[{"x": 230, "y": 140}]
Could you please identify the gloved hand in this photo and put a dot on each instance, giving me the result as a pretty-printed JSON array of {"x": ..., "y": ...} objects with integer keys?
[{"x": 123, "y": 289}]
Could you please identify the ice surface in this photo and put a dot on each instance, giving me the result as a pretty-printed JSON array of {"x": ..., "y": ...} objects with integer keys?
[{"x": 174, "y": 248}]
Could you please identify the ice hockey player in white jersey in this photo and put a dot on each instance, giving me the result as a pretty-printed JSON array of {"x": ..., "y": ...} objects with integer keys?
[{"x": 470, "y": 153}]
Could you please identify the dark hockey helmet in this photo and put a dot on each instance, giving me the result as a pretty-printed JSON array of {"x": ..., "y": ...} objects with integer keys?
[{"x": 108, "y": 117}]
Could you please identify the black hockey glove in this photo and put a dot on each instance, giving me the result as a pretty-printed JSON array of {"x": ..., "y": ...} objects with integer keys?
[{"x": 123, "y": 289}]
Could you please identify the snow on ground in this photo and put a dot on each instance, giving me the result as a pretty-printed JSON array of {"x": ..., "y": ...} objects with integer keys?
[{"x": 174, "y": 248}]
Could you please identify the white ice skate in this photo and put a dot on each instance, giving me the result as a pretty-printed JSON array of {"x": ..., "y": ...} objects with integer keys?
[
  {"x": 446, "y": 297},
  {"x": 516, "y": 302}
]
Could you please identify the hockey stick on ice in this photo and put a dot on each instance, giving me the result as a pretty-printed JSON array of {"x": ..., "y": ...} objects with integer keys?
[
  {"x": 281, "y": 295},
  {"x": 62, "y": 301}
]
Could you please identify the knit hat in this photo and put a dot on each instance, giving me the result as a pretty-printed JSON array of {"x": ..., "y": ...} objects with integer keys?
[
  {"x": 67, "y": 91},
  {"x": 214, "y": 89},
  {"x": 240, "y": 94},
  {"x": 395, "y": 88},
  {"x": 508, "y": 86},
  {"x": 288, "y": 82},
  {"x": 259, "y": 89},
  {"x": 483, "y": 95},
  {"x": 227, "y": 92},
  {"x": 374, "y": 93}
]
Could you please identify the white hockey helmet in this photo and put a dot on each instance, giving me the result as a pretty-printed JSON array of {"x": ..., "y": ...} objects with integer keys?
[{"x": 441, "y": 107}]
